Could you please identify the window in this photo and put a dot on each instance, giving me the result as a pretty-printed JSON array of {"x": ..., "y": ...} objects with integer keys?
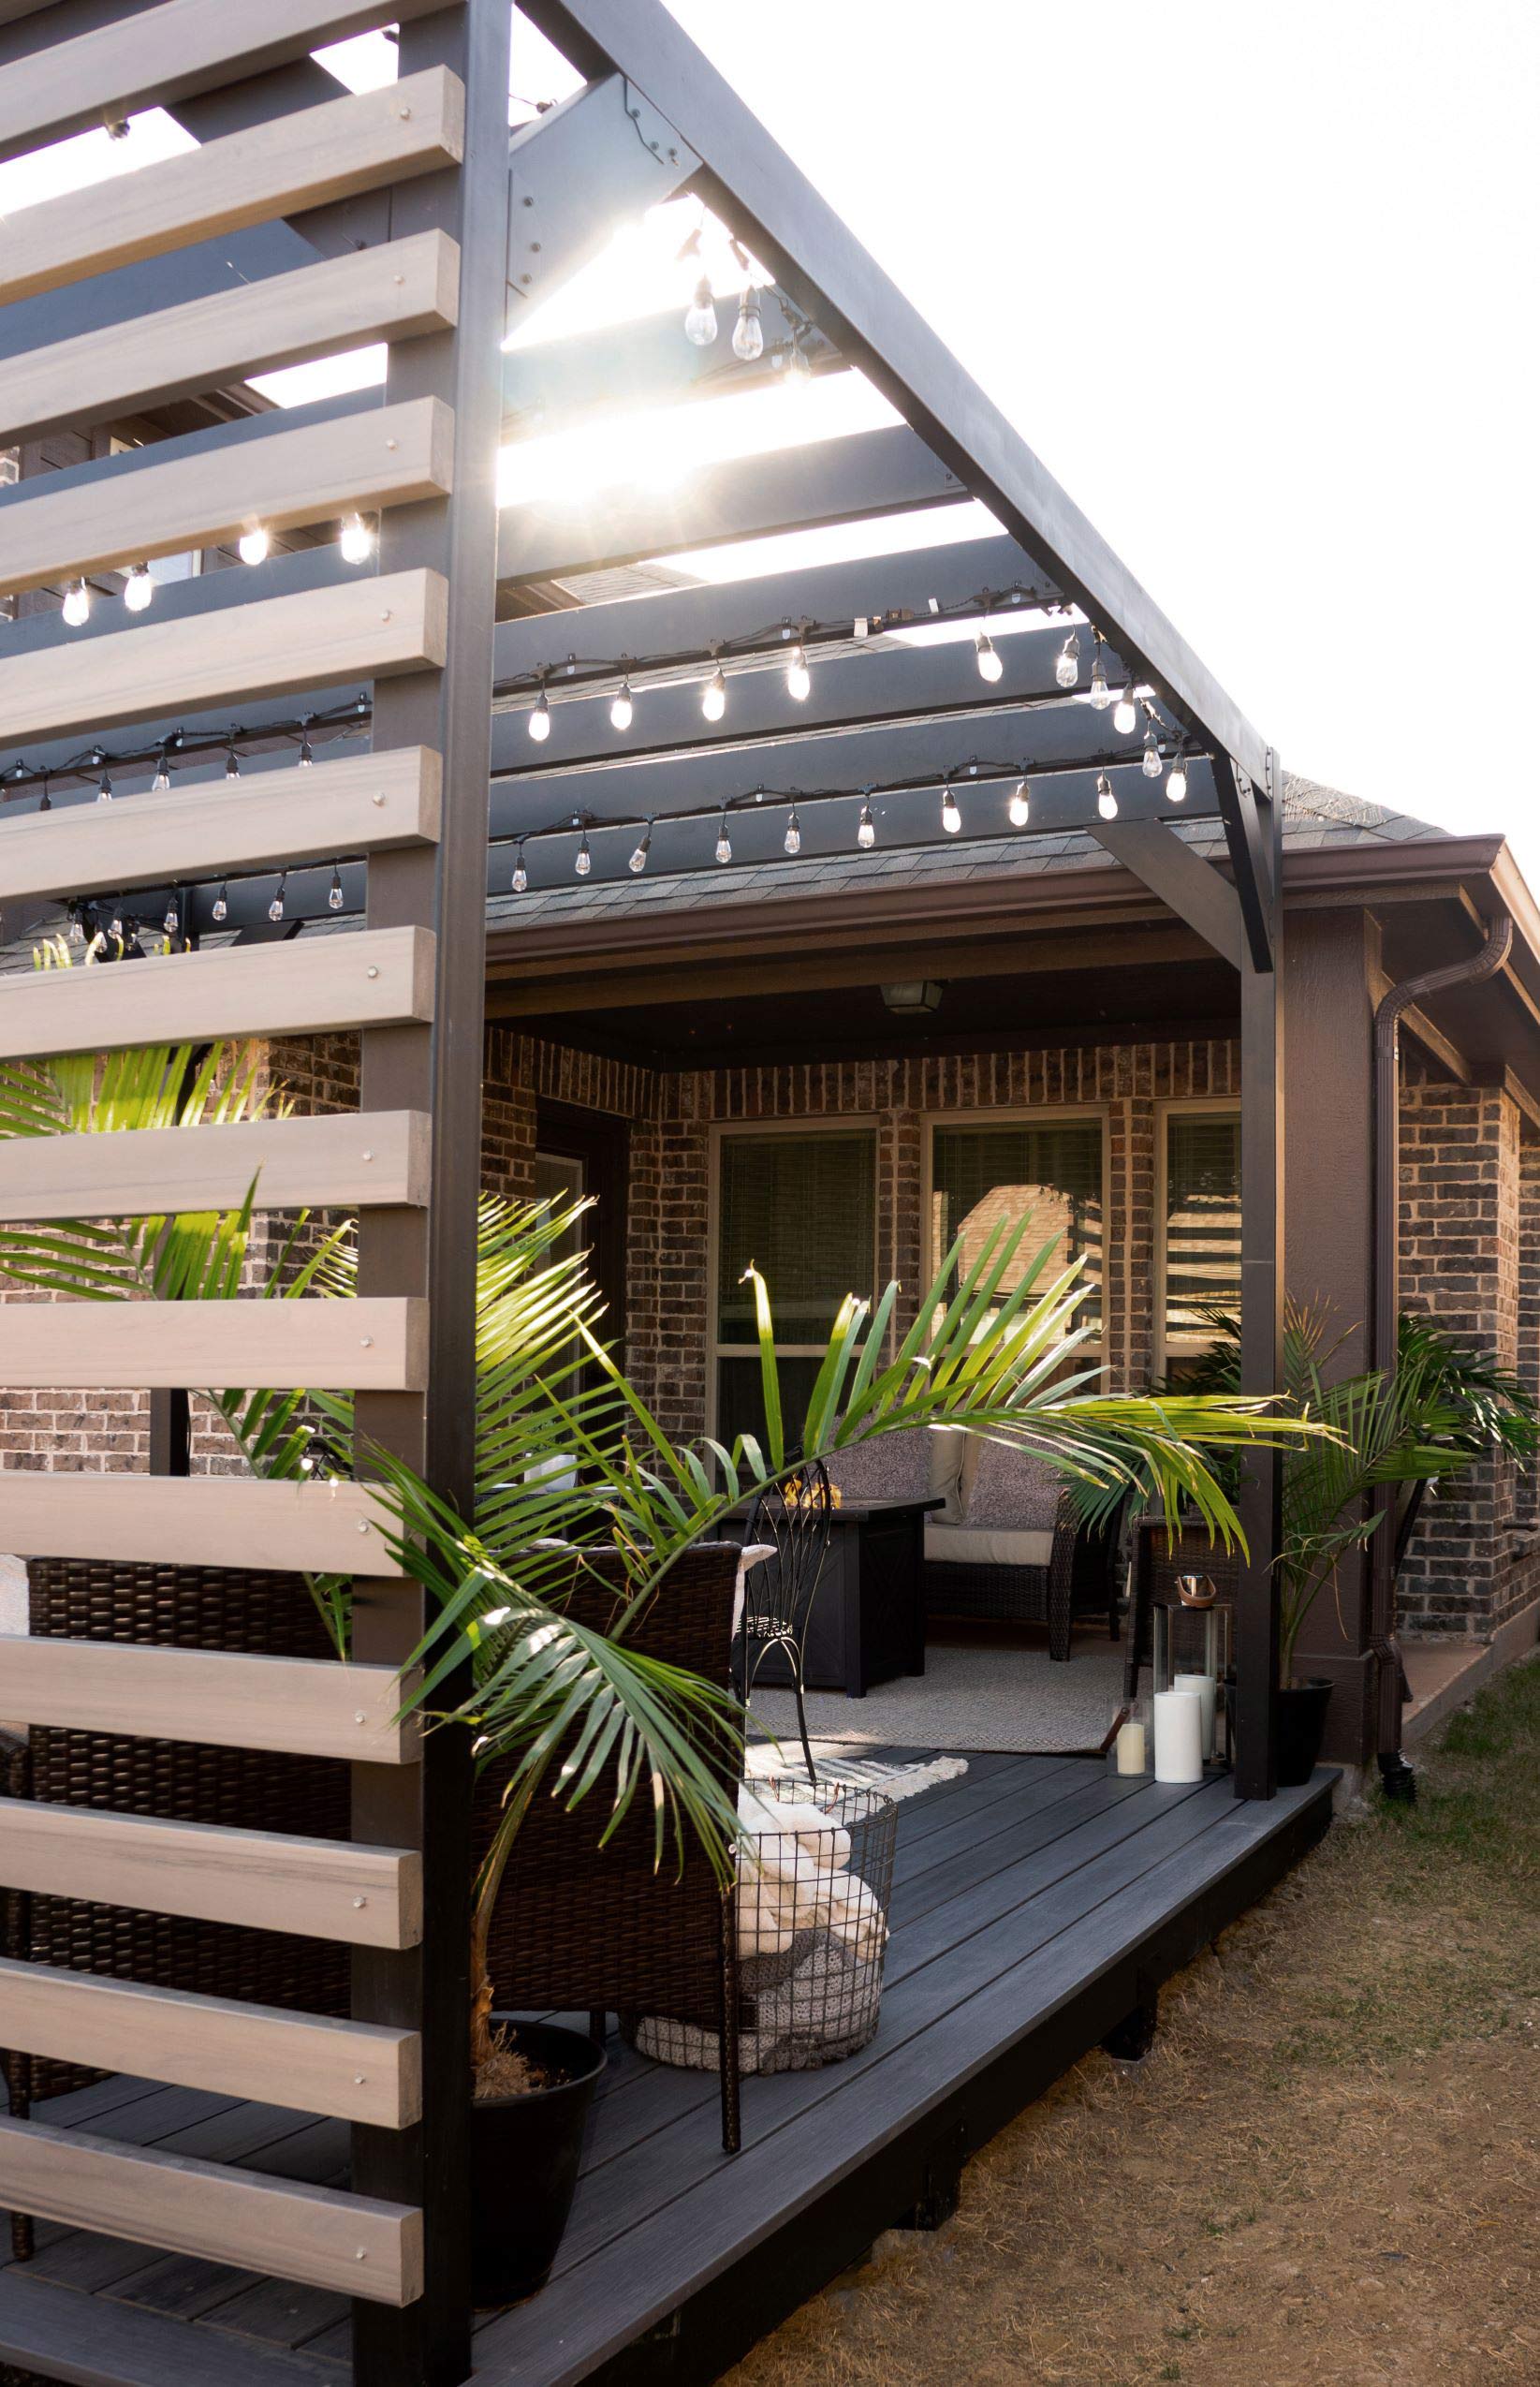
[
  {"x": 1201, "y": 1228},
  {"x": 802, "y": 1208},
  {"x": 981, "y": 1175}
]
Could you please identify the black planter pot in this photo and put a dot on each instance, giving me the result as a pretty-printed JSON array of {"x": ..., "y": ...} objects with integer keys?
[
  {"x": 524, "y": 2156},
  {"x": 1301, "y": 1726}
]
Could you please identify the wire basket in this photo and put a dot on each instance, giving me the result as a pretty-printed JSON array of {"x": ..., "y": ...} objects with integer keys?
[{"x": 810, "y": 1912}]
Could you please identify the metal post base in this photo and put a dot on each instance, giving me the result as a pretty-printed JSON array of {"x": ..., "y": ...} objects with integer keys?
[
  {"x": 1130, "y": 2041},
  {"x": 1398, "y": 1779}
]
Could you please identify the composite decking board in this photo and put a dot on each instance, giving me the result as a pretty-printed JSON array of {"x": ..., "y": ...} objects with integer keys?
[
  {"x": 118, "y": 2344},
  {"x": 589, "y": 2314},
  {"x": 993, "y": 1931},
  {"x": 1015, "y": 1835}
]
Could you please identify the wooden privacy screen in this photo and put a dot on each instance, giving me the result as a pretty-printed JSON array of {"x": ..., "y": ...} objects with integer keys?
[{"x": 414, "y": 625}]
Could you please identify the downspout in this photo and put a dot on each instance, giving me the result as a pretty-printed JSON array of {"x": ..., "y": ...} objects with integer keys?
[{"x": 1386, "y": 1547}]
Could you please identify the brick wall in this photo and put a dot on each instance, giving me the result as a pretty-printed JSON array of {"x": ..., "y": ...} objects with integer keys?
[{"x": 1469, "y": 1227}]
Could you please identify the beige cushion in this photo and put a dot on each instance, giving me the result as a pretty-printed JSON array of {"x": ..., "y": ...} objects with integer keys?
[
  {"x": 984, "y": 1546},
  {"x": 913, "y": 1464}
]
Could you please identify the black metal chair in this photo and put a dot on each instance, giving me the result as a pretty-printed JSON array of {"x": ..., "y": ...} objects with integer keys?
[{"x": 777, "y": 1593}]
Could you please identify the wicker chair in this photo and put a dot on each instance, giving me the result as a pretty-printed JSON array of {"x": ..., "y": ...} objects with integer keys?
[
  {"x": 585, "y": 1929},
  {"x": 1017, "y": 1551}
]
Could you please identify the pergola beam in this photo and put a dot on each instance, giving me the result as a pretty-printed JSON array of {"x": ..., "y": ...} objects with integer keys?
[
  {"x": 644, "y": 363},
  {"x": 686, "y": 620},
  {"x": 830, "y": 481},
  {"x": 1192, "y": 888},
  {"x": 749, "y": 180}
]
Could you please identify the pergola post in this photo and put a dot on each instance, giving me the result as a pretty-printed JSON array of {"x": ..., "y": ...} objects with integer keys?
[{"x": 1257, "y": 1607}]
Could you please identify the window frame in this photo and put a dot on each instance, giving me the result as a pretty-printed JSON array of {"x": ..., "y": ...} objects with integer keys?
[
  {"x": 1168, "y": 1348},
  {"x": 867, "y": 1123},
  {"x": 978, "y": 1116}
]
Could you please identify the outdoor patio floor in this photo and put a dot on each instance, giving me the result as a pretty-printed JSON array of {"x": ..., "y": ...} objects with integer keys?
[{"x": 1036, "y": 1900}]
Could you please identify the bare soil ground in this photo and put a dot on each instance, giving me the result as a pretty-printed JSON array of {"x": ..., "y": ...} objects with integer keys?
[{"x": 1326, "y": 2173}]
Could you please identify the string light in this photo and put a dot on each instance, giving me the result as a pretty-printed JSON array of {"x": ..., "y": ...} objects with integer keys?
[
  {"x": 793, "y": 840},
  {"x": 638, "y": 858},
  {"x": 866, "y": 827},
  {"x": 1107, "y": 803},
  {"x": 103, "y": 793},
  {"x": 356, "y": 541},
  {"x": 1176, "y": 781},
  {"x": 253, "y": 544},
  {"x": 222, "y": 903},
  {"x": 232, "y": 761},
  {"x": 1150, "y": 763},
  {"x": 76, "y": 604},
  {"x": 1020, "y": 808},
  {"x": 749, "y": 330},
  {"x": 539, "y": 719},
  {"x": 521, "y": 876},
  {"x": 990, "y": 665},
  {"x": 724, "y": 843},
  {"x": 334, "y": 892},
  {"x": 306, "y": 760},
  {"x": 799, "y": 678},
  {"x": 951, "y": 818},
  {"x": 161, "y": 783},
  {"x": 1125, "y": 718},
  {"x": 713, "y": 696},
  {"x": 1100, "y": 695},
  {"x": 584, "y": 861},
  {"x": 275, "y": 909},
  {"x": 623, "y": 710},
  {"x": 1066, "y": 668},
  {"x": 138, "y": 588},
  {"x": 798, "y": 369},
  {"x": 172, "y": 921},
  {"x": 701, "y": 316}
]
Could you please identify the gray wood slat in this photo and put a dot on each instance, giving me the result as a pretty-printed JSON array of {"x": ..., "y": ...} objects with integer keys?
[{"x": 116, "y": 2345}]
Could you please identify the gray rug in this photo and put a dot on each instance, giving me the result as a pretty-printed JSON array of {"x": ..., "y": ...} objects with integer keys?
[{"x": 974, "y": 1698}]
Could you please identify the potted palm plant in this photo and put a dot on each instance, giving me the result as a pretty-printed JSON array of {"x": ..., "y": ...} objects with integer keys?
[
  {"x": 1392, "y": 1440},
  {"x": 541, "y": 1693}
]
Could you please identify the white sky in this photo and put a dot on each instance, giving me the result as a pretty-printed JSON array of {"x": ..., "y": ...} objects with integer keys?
[{"x": 1255, "y": 284}]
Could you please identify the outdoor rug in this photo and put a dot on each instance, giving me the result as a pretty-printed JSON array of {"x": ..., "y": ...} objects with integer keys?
[{"x": 968, "y": 1698}]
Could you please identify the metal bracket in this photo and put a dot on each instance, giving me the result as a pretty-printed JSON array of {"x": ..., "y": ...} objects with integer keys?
[{"x": 576, "y": 170}]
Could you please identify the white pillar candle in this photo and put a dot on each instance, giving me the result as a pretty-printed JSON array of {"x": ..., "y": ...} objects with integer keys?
[
  {"x": 1178, "y": 1737},
  {"x": 1205, "y": 1688},
  {"x": 1130, "y": 1746}
]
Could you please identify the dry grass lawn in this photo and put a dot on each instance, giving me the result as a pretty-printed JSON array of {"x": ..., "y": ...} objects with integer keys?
[{"x": 1326, "y": 2173}]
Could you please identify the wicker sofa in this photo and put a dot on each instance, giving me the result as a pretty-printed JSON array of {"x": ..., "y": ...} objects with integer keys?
[{"x": 1006, "y": 1546}]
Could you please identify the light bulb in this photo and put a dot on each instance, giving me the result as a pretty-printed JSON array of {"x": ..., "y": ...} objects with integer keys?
[
  {"x": 1107, "y": 803},
  {"x": 701, "y": 316},
  {"x": 1125, "y": 718},
  {"x": 623, "y": 709},
  {"x": 724, "y": 843},
  {"x": 77, "y": 604},
  {"x": 232, "y": 764},
  {"x": 306, "y": 760},
  {"x": 334, "y": 892},
  {"x": 162, "y": 779},
  {"x": 138, "y": 588},
  {"x": 275, "y": 909},
  {"x": 990, "y": 665},
  {"x": 1066, "y": 668},
  {"x": 1151, "y": 762},
  {"x": 793, "y": 834},
  {"x": 1175, "y": 782},
  {"x": 253, "y": 545},
  {"x": 114, "y": 926},
  {"x": 639, "y": 860},
  {"x": 539, "y": 719},
  {"x": 1020, "y": 804},
  {"x": 748, "y": 331},
  {"x": 798, "y": 371},
  {"x": 799, "y": 678},
  {"x": 713, "y": 696},
  {"x": 585, "y": 862},
  {"x": 171, "y": 922},
  {"x": 356, "y": 541},
  {"x": 103, "y": 793},
  {"x": 222, "y": 903},
  {"x": 1100, "y": 695},
  {"x": 77, "y": 929},
  {"x": 521, "y": 876},
  {"x": 866, "y": 829},
  {"x": 951, "y": 819}
]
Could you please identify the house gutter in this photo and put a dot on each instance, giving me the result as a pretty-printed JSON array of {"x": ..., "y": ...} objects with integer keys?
[{"x": 1398, "y": 1777}]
